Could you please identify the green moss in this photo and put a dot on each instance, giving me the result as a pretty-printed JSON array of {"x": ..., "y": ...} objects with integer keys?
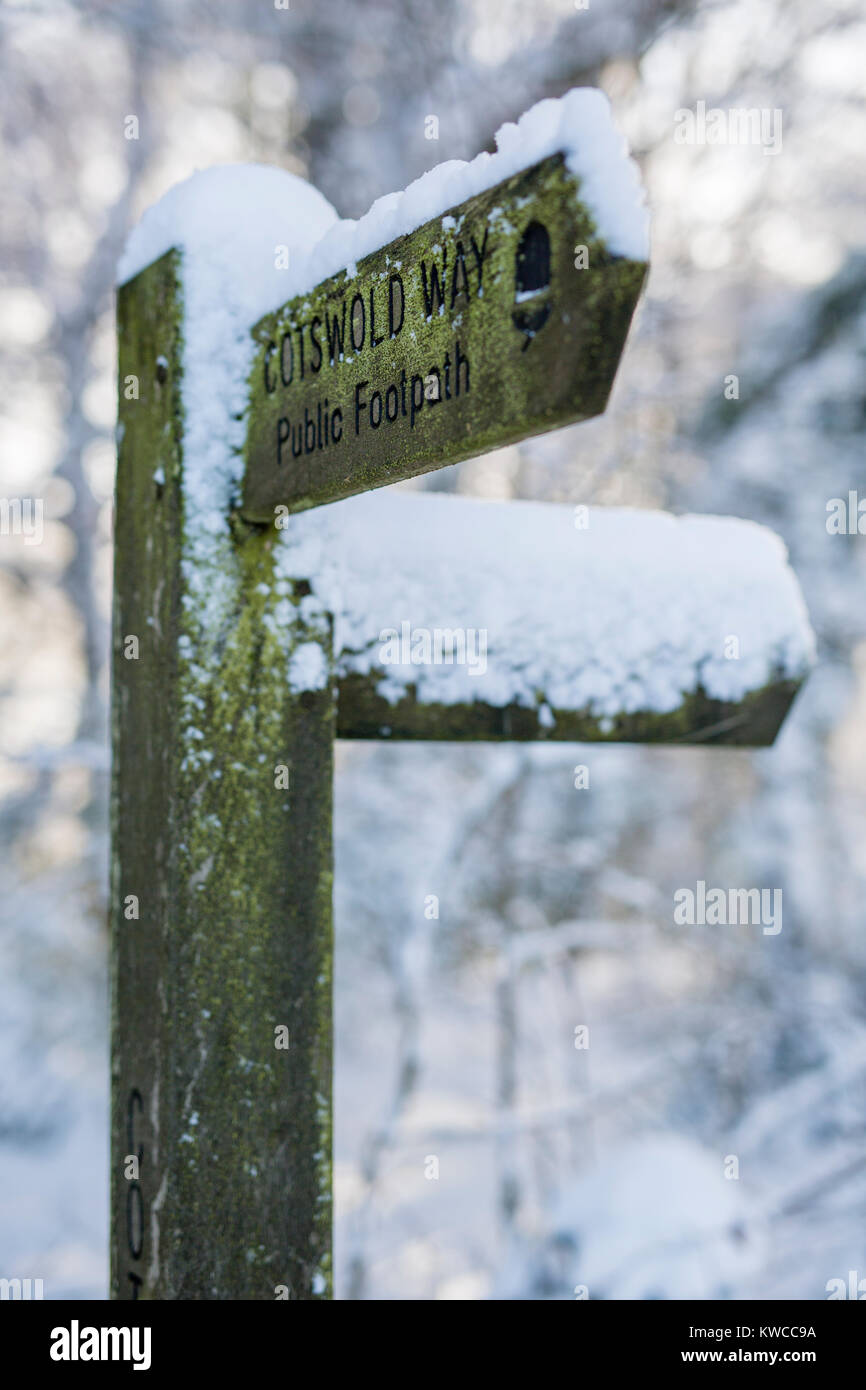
[
  {"x": 234, "y": 877},
  {"x": 754, "y": 721},
  {"x": 518, "y": 385}
]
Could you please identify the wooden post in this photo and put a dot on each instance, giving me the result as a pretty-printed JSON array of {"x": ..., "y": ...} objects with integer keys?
[
  {"x": 227, "y": 694},
  {"x": 221, "y": 881}
]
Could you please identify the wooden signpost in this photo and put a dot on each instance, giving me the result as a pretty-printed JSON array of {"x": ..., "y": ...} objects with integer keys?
[
  {"x": 475, "y": 330},
  {"x": 472, "y": 332}
]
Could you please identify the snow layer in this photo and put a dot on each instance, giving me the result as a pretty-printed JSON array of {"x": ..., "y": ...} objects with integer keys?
[
  {"x": 247, "y": 210},
  {"x": 628, "y": 614},
  {"x": 231, "y": 220}
]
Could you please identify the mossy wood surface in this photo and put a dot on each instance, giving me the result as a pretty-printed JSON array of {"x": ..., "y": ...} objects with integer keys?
[
  {"x": 474, "y": 331},
  {"x": 221, "y": 886},
  {"x": 752, "y": 722}
]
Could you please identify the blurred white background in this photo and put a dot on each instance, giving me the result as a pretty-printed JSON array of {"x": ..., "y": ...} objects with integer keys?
[{"x": 455, "y": 1037}]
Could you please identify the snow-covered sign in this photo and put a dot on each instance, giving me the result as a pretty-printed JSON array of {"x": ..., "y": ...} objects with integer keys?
[
  {"x": 603, "y": 624},
  {"x": 504, "y": 317},
  {"x": 456, "y": 315}
]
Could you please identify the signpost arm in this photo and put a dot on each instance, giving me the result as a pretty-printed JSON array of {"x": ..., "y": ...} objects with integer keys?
[
  {"x": 221, "y": 879},
  {"x": 458, "y": 619}
]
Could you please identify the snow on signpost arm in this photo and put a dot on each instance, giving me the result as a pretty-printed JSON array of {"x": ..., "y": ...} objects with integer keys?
[{"x": 550, "y": 622}]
